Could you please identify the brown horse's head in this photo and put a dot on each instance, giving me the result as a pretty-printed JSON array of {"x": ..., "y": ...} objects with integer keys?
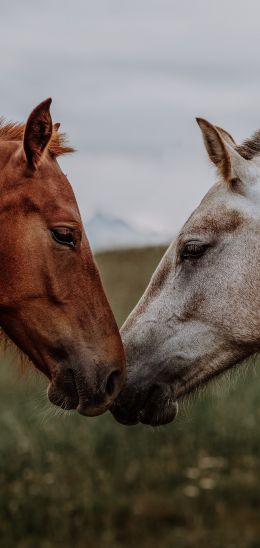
[{"x": 52, "y": 304}]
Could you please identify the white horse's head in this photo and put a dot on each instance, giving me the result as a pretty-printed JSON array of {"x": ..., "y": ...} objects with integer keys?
[{"x": 200, "y": 313}]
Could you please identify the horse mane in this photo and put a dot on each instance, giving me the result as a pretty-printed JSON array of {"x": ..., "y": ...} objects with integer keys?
[
  {"x": 250, "y": 147},
  {"x": 13, "y": 131}
]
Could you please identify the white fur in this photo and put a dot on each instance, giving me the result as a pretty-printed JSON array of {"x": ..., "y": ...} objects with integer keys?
[{"x": 200, "y": 317}]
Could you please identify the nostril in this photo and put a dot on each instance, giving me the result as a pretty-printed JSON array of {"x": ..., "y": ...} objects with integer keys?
[
  {"x": 112, "y": 382},
  {"x": 72, "y": 380}
]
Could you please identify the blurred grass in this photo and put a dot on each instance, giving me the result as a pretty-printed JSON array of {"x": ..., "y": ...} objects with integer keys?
[{"x": 71, "y": 481}]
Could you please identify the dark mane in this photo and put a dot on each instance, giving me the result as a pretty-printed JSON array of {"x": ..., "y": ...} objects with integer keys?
[
  {"x": 13, "y": 131},
  {"x": 250, "y": 147}
]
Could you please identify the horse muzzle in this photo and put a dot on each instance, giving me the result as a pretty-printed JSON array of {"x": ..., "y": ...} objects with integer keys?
[
  {"x": 153, "y": 407},
  {"x": 90, "y": 394}
]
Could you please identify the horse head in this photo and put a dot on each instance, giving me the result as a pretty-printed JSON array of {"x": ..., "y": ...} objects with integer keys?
[
  {"x": 199, "y": 315},
  {"x": 52, "y": 304}
]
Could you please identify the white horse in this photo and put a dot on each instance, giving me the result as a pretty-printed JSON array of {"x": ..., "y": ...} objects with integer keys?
[{"x": 199, "y": 315}]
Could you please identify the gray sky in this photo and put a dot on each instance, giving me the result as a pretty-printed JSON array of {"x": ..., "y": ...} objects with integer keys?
[{"x": 127, "y": 79}]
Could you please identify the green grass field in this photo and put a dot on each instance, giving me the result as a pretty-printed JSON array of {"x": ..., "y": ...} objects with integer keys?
[{"x": 75, "y": 482}]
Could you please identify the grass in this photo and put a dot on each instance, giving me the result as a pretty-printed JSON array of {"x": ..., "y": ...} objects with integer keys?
[{"x": 69, "y": 481}]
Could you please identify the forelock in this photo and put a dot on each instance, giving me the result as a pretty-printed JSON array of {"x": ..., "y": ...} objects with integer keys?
[
  {"x": 250, "y": 147},
  {"x": 13, "y": 131}
]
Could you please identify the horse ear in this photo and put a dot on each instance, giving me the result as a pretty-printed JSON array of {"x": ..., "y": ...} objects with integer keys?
[
  {"x": 216, "y": 148},
  {"x": 226, "y": 136},
  {"x": 38, "y": 132},
  {"x": 56, "y": 126},
  {"x": 224, "y": 153}
]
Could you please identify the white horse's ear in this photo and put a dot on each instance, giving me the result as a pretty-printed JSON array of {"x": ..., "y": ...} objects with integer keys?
[
  {"x": 216, "y": 148},
  {"x": 220, "y": 147},
  {"x": 226, "y": 136}
]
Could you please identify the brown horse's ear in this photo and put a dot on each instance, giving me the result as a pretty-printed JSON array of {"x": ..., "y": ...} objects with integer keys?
[
  {"x": 38, "y": 132},
  {"x": 56, "y": 126},
  {"x": 217, "y": 148}
]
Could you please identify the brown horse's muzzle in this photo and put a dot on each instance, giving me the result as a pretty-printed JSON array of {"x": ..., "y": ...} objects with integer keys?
[{"x": 90, "y": 393}]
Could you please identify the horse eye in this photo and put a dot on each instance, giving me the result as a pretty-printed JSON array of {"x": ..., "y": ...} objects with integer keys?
[
  {"x": 64, "y": 236},
  {"x": 193, "y": 250}
]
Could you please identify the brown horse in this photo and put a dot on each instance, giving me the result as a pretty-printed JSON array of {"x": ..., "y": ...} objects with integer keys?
[{"x": 52, "y": 304}]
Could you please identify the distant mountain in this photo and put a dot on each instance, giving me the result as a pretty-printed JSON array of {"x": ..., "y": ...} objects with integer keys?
[{"x": 105, "y": 232}]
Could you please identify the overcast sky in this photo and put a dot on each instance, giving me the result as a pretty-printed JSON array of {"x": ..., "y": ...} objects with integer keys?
[{"x": 127, "y": 79}]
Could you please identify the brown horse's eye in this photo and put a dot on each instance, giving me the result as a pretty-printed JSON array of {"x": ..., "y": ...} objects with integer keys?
[
  {"x": 64, "y": 236},
  {"x": 193, "y": 250}
]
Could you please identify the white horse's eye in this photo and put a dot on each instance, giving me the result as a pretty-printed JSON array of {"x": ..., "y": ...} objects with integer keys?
[{"x": 193, "y": 250}]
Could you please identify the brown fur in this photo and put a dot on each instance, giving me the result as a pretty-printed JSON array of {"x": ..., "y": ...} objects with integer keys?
[
  {"x": 13, "y": 131},
  {"x": 52, "y": 303},
  {"x": 221, "y": 221},
  {"x": 7, "y": 347}
]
